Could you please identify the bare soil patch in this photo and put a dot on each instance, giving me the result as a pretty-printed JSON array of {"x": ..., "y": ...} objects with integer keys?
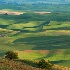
[
  {"x": 42, "y": 12},
  {"x": 10, "y": 13}
]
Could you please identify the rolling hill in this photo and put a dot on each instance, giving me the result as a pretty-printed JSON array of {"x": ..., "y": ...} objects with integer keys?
[
  {"x": 35, "y": 29},
  {"x": 36, "y": 36}
]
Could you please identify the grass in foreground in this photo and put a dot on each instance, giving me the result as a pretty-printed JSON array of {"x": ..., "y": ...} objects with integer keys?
[{"x": 25, "y": 65}]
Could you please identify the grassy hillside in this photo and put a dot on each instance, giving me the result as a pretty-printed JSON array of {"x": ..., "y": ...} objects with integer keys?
[
  {"x": 13, "y": 65},
  {"x": 25, "y": 65},
  {"x": 36, "y": 36}
]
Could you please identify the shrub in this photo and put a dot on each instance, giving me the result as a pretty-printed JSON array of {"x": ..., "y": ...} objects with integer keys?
[
  {"x": 11, "y": 55},
  {"x": 43, "y": 64}
]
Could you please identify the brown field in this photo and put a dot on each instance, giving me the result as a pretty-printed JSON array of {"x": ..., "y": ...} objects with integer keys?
[
  {"x": 41, "y": 51},
  {"x": 42, "y": 12},
  {"x": 10, "y": 13}
]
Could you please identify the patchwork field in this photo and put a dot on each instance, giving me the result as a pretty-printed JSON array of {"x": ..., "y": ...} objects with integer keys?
[{"x": 37, "y": 36}]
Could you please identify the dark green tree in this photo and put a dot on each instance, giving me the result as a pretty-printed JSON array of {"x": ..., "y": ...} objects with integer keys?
[
  {"x": 43, "y": 64},
  {"x": 11, "y": 55}
]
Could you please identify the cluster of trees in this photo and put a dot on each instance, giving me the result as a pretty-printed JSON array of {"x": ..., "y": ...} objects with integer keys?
[
  {"x": 43, "y": 64},
  {"x": 11, "y": 55}
]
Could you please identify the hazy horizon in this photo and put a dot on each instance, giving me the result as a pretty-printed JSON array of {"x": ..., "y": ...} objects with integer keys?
[{"x": 36, "y": 1}]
